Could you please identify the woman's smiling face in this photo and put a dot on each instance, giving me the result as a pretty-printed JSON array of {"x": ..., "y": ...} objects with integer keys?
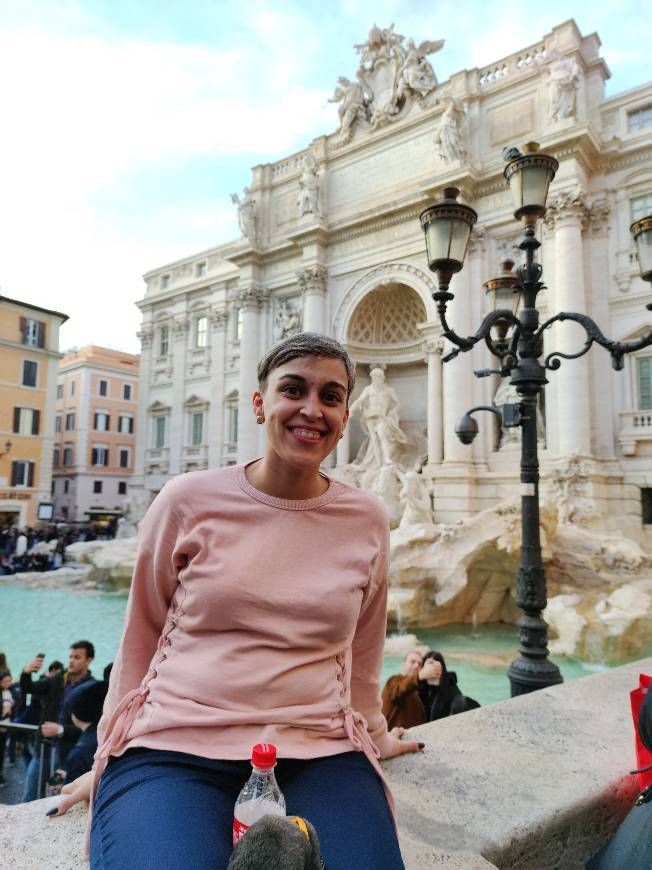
[{"x": 304, "y": 403}]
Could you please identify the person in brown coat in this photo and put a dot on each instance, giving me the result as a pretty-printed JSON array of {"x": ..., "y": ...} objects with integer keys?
[{"x": 402, "y": 704}]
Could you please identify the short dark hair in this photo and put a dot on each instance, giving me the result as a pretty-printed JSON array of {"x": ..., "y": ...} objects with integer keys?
[
  {"x": 56, "y": 665},
  {"x": 305, "y": 344},
  {"x": 84, "y": 644}
]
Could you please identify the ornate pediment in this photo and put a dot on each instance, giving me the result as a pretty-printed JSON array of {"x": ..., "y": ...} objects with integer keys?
[{"x": 391, "y": 75}]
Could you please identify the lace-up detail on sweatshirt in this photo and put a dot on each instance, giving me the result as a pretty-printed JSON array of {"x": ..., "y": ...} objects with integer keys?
[{"x": 239, "y": 606}]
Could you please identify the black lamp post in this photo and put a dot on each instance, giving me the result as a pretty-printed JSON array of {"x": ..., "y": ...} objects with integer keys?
[{"x": 516, "y": 339}]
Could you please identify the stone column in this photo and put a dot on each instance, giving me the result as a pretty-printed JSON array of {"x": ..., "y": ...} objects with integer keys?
[
  {"x": 458, "y": 373},
  {"x": 568, "y": 213},
  {"x": 343, "y": 450},
  {"x": 146, "y": 336},
  {"x": 433, "y": 349},
  {"x": 180, "y": 330},
  {"x": 219, "y": 318},
  {"x": 248, "y": 301},
  {"x": 312, "y": 282}
]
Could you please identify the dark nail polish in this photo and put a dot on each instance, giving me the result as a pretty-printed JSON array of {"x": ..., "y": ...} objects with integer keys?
[
  {"x": 52, "y": 812},
  {"x": 422, "y": 746}
]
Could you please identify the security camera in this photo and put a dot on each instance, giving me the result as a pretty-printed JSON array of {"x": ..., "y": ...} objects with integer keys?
[{"x": 466, "y": 429}]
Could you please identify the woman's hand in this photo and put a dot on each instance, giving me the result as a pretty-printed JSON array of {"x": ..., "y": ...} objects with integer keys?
[
  {"x": 73, "y": 793},
  {"x": 392, "y": 745}
]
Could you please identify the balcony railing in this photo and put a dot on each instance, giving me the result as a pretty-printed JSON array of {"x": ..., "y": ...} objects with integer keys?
[
  {"x": 635, "y": 427},
  {"x": 158, "y": 460}
]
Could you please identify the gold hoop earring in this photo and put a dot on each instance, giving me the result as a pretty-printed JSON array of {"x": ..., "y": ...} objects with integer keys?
[
  {"x": 260, "y": 418},
  {"x": 341, "y": 434}
]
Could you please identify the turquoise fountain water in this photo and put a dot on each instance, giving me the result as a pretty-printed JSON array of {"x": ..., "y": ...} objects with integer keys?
[{"x": 48, "y": 620}]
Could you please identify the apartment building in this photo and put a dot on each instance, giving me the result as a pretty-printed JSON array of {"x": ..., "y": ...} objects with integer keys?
[
  {"x": 29, "y": 365},
  {"x": 95, "y": 432}
]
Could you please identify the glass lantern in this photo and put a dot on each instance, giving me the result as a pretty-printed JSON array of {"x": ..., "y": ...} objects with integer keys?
[
  {"x": 447, "y": 226},
  {"x": 502, "y": 292},
  {"x": 529, "y": 176},
  {"x": 642, "y": 232}
]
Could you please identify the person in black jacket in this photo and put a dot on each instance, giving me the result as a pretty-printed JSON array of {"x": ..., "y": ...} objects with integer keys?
[
  {"x": 441, "y": 696},
  {"x": 57, "y": 727}
]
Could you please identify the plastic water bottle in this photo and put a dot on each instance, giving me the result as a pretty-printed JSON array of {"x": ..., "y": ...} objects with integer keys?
[{"x": 261, "y": 795}]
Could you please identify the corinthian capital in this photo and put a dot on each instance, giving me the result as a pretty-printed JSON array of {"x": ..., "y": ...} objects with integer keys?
[
  {"x": 567, "y": 205},
  {"x": 219, "y": 317},
  {"x": 250, "y": 297},
  {"x": 312, "y": 280},
  {"x": 181, "y": 325},
  {"x": 145, "y": 336}
]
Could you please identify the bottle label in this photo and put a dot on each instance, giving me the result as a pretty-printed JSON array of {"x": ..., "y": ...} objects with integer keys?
[{"x": 239, "y": 830}]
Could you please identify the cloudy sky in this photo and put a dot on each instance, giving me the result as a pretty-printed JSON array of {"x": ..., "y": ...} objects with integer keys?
[{"x": 125, "y": 124}]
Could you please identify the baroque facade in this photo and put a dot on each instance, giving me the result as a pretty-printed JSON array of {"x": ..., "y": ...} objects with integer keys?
[{"x": 331, "y": 243}]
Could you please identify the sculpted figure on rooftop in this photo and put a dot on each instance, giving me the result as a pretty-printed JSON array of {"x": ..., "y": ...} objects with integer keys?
[
  {"x": 563, "y": 75},
  {"x": 246, "y": 214},
  {"x": 448, "y": 137}
]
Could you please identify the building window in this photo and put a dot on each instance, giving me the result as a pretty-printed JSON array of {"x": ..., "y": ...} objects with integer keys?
[
  {"x": 57, "y": 423},
  {"x": 104, "y": 388},
  {"x": 233, "y": 424},
  {"x": 159, "y": 432},
  {"x": 165, "y": 282},
  {"x": 201, "y": 331},
  {"x": 639, "y": 119},
  {"x": 164, "y": 341},
  {"x": 100, "y": 456},
  {"x": 66, "y": 486},
  {"x": 59, "y": 391},
  {"x": 237, "y": 324},
  {"x": 126, "y": 424},
  {"x": 200, "y": 269},
  {"x": 22, "y": 473},
  {"x": 124, "y": 457},
  {"x": 26, "y": 421},
  {"x": 70, "y": 422},
  {"x": 53, "y": 487},
  {"x": 101, "y": 421},
  {"x": 197, "y": 428},
  {"x": 640, "y": 206},
  {"x": 72, "y": 388},
  {"x": 67, "y": 456},
  {"x": 33, "y": 332},
  {"x": 644, "y": 377},
  {"x": 122, "y": 487},
  {"x": 56, "y": 457},
  {"x": 30, "y": 373},
  {"x": 646, "y": 505},
  {"x": 97, "y": 487},
  {"x": 126, "y": 392}
]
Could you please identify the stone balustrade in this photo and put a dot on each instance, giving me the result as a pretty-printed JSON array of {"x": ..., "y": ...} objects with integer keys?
[
  {"x": 540, "y": 781},
  {"x": 635, "y": 426}
]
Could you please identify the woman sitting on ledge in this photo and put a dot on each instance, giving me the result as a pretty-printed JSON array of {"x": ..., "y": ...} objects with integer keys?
[{"x": 257, "y": 614}]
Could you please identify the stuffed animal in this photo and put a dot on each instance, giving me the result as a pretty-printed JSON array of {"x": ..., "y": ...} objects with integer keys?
[{"x": 278, "y": 842}]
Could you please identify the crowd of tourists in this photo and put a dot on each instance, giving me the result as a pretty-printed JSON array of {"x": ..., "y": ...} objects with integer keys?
[
  {"x": 44, "y": 548},
  {"x": 50, "y": 716}
]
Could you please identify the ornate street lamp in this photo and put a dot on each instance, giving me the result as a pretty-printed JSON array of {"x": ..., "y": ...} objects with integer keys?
[{"x": 517, "y": 342}]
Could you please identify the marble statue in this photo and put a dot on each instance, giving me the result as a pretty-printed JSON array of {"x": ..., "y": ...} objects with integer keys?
[
  {"x": 246, "y": 214},
  {"x": 350, "y": 96},
  {"x": 390, "y": 76},
  {"x": 563, "y": 77},
  {"x": 418, "y": 73},
  {"x": 377, "y": 406},
  {"x": 287, "y": 319},
  {"x": 308, "y": 201},
  {"x": 415, "y": 500},
  {"x": 448, "y": 137}
]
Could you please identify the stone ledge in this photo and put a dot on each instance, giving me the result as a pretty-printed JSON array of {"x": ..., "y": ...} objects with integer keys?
[{"x": 538, "y": 781}]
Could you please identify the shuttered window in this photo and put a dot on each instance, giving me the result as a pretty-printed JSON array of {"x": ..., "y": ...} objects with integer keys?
[
  {"x": 22, "y": 473},
  {"x": 26, "y": 421},
  {"x": 100, "y": 456},
  {"x": 32, "y": 331},
  {"x": 30, "y": 373},
  {"x": 197, "y": 428}
]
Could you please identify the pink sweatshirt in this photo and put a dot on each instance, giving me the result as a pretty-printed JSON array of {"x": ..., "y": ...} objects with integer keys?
[{"x": 252, "y": 619}]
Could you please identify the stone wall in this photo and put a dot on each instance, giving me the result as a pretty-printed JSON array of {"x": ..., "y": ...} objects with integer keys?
[{"x": 540, "y": 781}]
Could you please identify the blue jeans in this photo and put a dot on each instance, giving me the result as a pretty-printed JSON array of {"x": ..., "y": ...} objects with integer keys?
[{"x": 158, "y": 810}]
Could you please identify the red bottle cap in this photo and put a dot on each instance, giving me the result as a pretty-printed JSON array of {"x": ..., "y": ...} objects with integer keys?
[{"x": 263, "y": 755}]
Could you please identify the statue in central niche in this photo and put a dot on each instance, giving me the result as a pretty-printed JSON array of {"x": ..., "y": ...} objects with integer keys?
[{"x": 377, "y": 406}]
